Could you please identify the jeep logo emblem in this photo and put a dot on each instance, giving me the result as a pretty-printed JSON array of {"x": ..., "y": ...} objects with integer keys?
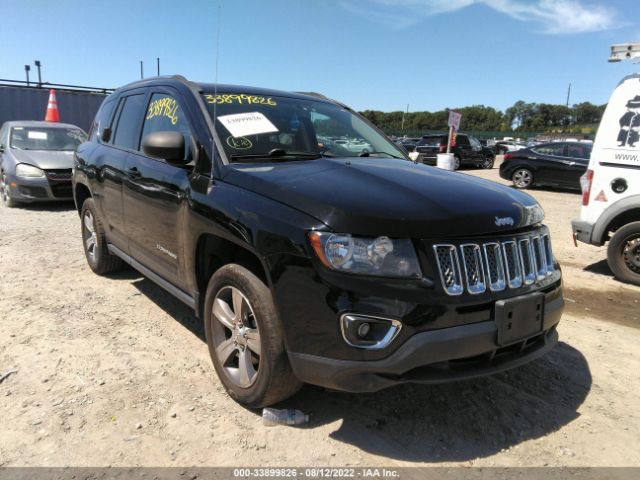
[{"x": 502, "y": 221}]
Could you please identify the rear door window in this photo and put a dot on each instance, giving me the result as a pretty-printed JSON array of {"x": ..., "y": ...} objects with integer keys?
[
  {"x": 103, "y": 117},
  {"x": 552, "y": 149},
  {"x": 579, "y": 151},
  {"x": 127, "y": 134},
  {"x": 431, "y": 141}
]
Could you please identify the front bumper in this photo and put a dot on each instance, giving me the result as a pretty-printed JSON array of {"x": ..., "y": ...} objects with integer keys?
[
  {"x": 448, "y": 354},
  {"x": 29, "y": 190},
  {"x": 583, "y": 232}
]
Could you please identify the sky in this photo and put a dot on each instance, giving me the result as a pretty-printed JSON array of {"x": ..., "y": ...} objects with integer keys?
[{"x": 369, "y": 54}]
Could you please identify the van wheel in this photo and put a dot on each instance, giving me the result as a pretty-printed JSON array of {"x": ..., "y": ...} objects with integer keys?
[
  {"x": 94, "y": 243},
  {"x": 623, "y": 253},
  {"x": 522, "y": 178},
  {"x": 246, "y": 340}
]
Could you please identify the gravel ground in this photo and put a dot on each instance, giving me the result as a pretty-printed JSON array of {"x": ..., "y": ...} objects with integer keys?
[{"x": 114, "y": 371}]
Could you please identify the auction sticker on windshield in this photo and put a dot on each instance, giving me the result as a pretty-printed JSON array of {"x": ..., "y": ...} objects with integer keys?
[{"x": 250, "y": 123}]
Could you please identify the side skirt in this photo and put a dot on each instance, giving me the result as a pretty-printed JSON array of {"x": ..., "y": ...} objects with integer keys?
[{"x": 157, "y": 279}]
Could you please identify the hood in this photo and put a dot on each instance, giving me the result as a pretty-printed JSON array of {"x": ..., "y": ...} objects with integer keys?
[
  {"x": 397, "y": 198},
  {"x": 45, "y": 159}
]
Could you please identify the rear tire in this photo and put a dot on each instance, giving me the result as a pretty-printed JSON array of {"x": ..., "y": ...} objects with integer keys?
[
  {"x": 94, "y": 242},
  {"x": 487, "y": 163},
  {"x": 246, "y": 339},
  {"x": 623, "y": 253},
  {"x": 456, "y": 163},
  {"x": 5, "y": 192},
  {"x": 522, "y": 178}
]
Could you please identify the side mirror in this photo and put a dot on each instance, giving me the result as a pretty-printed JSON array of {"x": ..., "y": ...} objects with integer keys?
[
  {"x": 167, "y": 146},
  {"x": 105, "y": 136}
]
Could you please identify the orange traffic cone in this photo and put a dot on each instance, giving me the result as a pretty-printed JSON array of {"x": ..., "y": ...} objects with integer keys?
[{"x": 52, "y": 108}]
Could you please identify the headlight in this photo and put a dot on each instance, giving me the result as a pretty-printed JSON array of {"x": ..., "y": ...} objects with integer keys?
[
  {"x": 25, "y": 170},
  {"x": 379, "y": 256},
  {"x": 532, "y": 215}
]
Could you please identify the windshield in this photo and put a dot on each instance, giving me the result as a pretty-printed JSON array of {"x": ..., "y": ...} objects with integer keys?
[
  {"x": 46, "y": 138},
  {"x": 267, "y": 128}
]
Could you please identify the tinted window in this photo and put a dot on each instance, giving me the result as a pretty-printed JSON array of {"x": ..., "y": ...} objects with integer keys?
[
  {"x": 127, "y": 132},
  {"x": 432, "y": 141},
  {"x": 102, "y": 120},
  {"x": 164, "y": 114},
  {"x": 462, "y": 140},
  {"x": 577, "y": 150},
  {"x": 475, "y": 143},
  {"x": 553, "y": 149}
]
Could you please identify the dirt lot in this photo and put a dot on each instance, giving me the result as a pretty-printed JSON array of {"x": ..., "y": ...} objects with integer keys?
[{"x": 113, "y": 371}]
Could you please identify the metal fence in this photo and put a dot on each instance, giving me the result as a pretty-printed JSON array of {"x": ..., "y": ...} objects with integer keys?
[{"x": 76, "y": 105}]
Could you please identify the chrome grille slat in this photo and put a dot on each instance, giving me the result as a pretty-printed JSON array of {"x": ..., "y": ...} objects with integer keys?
[
  {"x": 513, "y": 264},
  {"x": 526, "y": 258},
  {"x": 495, "y": 266},
  {"x": 449, "y": 267},
  {"x": 476, "y": 267},
  {"x": 473, "y": 270}
]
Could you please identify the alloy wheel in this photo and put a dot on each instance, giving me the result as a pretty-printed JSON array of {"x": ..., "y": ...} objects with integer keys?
[
  {"x": 5, "y": 192},
  {"x": 90, "y": 236},
  {"x": 236, "y": 336},
  {"x": 522, "y": 178}
]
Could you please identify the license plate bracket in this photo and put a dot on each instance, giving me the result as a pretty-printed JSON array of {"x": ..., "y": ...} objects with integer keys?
[{"x": 518, "y": 318}]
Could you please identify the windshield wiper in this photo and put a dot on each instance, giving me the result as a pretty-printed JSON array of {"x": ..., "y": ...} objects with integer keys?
[
  {"x": 278, "y": 154},
  {"x": 366, "y": 154}
]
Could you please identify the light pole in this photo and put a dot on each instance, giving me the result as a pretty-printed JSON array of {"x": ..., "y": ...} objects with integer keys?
[
  {"x": 38, "y": 65},
  {"x": 26, "y": 69},
  {"x": 141, "y": 70}
]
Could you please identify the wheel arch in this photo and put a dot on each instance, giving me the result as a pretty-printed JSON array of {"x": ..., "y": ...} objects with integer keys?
[
  {"x": 80, "y": 193},
  {"x": 213, "y": 252},
  {"x": 617, "y": 215}
]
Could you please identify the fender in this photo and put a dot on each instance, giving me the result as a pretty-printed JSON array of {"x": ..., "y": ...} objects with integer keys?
[{"x": 614, "y": 210}]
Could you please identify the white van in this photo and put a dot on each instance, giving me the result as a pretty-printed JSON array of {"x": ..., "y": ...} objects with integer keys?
[{"x": 611, "y": 186}]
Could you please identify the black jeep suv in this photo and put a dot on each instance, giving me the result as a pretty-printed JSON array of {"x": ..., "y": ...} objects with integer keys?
[
  {"x": 467, "y": 150},
  {"x": 306, "y": 260}
]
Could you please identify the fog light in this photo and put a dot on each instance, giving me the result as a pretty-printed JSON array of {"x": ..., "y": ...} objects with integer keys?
[
  {"x": 367, "y": 332},
  {"x": 364, "y": 329}
]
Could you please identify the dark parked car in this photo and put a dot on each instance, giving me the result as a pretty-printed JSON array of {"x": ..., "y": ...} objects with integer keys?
[
  {"x": 559, "y": 164},
  {"x": 36, "y": 160},
  {"x": 308, "y": 262},
  {"x": 408, "y": 144},
  {"x": 467, "y": 150}
]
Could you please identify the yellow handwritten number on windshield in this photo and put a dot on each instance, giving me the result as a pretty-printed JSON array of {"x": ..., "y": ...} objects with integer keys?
[{"x": 241, "y": 99}]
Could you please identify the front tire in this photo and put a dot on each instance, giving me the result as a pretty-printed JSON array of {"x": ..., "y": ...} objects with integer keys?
[
  {"x": 522, "y": 178},
  {"x": 5, "y": 192},
  {"x": 94, "y": 242},
  {"x": 623, "y": 253},
  {"x": 246, "y": 340}
]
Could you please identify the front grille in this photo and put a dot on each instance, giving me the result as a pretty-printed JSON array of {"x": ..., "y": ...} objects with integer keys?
[
  {"x": 62, "y": 190},
  {"x": 494, "y": 265},
  {"x": 59, "y": 174}
]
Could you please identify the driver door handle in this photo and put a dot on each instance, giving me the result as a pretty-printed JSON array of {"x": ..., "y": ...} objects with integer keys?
[{"x": 133, "y": 173}]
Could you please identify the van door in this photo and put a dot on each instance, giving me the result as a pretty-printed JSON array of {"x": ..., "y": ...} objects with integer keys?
[{"x": 155, "y": 193}]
